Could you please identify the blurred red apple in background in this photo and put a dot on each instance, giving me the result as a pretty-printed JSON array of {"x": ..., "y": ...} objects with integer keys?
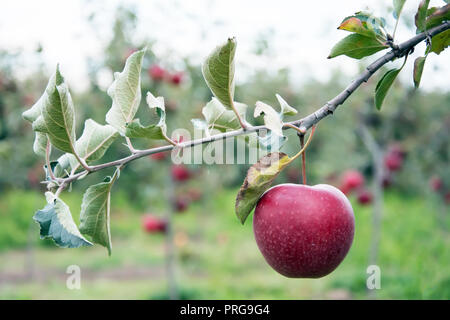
[
  {"x": 365, "y": 197},
  {"x": 393, "y": 161},
  {"x": 159, "y": 156},
  {"x": 351, "y": 180},
  {"x": 156, "y": 73},
  {"x": 153, "y": 224},
  {"x": 181, "y": 203},
  {"x": 180, "y": 172},
  {"x": 195, "y": 194},
  {"x": 176, "y": 78},
  {"x": 435, "y": 183},
  {"x": 304, "y": 231}
]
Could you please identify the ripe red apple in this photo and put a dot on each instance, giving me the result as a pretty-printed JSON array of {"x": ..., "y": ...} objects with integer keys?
[
  {"x": 181, "y": 203},
  {"x": 176, "y": 78},
  {"x": 436, "y": 183},
  {"x": 159, "y": 156},
  {"x": 153, "y": 224},
  {"x": 365, "y": 197},
  {"x": 304, "y": 231},
  {"x": 156, "y": 72},
  {"x": 397, "y": 149},
  {"x": 393, "y": 161},
  {"x": 352, "y": 179},
  {"x": 180, "y": 173}
]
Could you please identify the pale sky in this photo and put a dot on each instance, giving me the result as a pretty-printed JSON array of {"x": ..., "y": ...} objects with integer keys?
[{"x": 303, "y": 33}]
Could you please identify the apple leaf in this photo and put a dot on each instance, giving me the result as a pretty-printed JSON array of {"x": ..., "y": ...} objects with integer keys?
[
  {"x": 286, "y": 109},
  {"x": 218, "y": 71},
  {"x": 418, "y": 70},
  {"x": 398, "y": 7},
  {"x": 364, "y": 24},
  {"x": 440, "y": 41},
  {"x": 154, "y": 131},
  {"x": 32, "y": 114},
  {"x": 356, "y": 46},
  {"x": 125, "y": 93},
  {"x": 272, "y": 142},
  {"x": 437, "y": 16},
  {"x": 40, "y": 144},
  {"x": 272, "y": 119},
  {"x": 57, "y": 117},
  {"x": 383, "y": 86},
  {"x": 421, "y": 15},
  {"x": 95, "y": 140},
  {"x": 95, "y": 212},
  {"x": 56, "y": 222},
  {"x": 259, "y": 178},
  {"x": 218, "y": 117}
]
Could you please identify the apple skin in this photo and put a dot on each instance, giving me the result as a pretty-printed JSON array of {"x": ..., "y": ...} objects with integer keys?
[
  {"x": 365, "y": 197},
  {"x": 304, "y": 231}
]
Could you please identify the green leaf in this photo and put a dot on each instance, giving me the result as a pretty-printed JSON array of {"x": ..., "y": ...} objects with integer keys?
[
  {"x": 356, "y": 46},
  {"x": 125, "y": 93},
  {"x": 259, "y": 178},
  {"x": 364, "y": 24},
  {"x": 95, "y": 140},
  {"x": 32, "y": 114},
  {"x": 398, "y": 7},
  {"x": 418, "y": 69},
  {"x": 156, "y": 131},
  {"x": 95, "y": 212},
  {"x": 383, "y": 86},
  {"x": 136, "y": 130},
  {"x": 64, "y": 165},
  {"x": 220, "y": 118},
  {"x": 421, "y": 16},
  {"x": 437, "y": 16},
  {"x": 57, "y": 117},
  {"x": 272, "y": 119},
  {"x": 286, "y": 109},
  {"x": 218, "y": 71},
  {"x": 56, "y": 222},
  {"x": 40, "y": 144},
  {"x": 440, "y": 41}
]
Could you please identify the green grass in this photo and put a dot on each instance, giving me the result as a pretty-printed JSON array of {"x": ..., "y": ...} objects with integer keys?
[{"x": 220, "y": 259}]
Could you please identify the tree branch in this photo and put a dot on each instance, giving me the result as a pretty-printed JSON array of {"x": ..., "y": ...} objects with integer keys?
[{"x": 305, "y": 123}]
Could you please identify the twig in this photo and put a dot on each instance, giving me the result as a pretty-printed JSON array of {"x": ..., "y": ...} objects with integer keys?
[{"x": 306, "y": 123}]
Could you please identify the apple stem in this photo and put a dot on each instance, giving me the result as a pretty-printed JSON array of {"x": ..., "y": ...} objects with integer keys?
[{"x": 302, "y": 145}]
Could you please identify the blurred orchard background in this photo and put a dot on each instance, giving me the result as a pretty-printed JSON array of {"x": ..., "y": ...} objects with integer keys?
[{"x": 402, "y": 222}]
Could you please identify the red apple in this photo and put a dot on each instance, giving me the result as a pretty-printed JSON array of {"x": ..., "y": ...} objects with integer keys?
[
  {"x": 152, "y": 224},
  {"x": 181, "y": 203},
  {"x": 352, "y": 179},
  {"x": 176, "y": 78},
  {"x": 159, "y": 156},
  {"x": 436, "y": 183},
  {"x": 180, "y": 173},
  {"x": 304, "y": 231},
  {"x": 397, "y": 149},
  {"x": 393, "y": 161},
  {"x": 156, "y": 72},
  {"x": 365, "y": 197}
]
